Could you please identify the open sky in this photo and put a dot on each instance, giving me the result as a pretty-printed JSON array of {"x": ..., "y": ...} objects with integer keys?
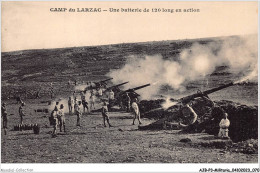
[{"x": 31, "y": 25}]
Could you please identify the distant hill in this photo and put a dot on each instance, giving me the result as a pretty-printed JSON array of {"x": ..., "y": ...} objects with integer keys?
[{"x": 35, "y": 68}]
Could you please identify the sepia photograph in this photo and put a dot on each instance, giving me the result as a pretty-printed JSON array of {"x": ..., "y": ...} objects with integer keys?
[{"x": 172, "y": 83}]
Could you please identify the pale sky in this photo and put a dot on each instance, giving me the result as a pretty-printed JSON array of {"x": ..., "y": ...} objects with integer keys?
[{"x": 31, "y": 25}]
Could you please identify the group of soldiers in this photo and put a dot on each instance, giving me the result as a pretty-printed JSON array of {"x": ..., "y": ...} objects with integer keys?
[
  {"x": 4, "y": 115},
  {"x": 57, "y": 117}
]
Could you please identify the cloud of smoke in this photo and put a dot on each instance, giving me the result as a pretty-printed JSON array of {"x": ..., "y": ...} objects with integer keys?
[{"x": 238, "y": 53}]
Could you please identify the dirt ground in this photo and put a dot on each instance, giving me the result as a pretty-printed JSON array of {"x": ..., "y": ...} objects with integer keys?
[{"x": 93, "y": 143}]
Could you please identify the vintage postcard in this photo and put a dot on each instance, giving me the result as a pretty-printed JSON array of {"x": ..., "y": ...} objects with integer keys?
[{"x": 115, "y": 86}]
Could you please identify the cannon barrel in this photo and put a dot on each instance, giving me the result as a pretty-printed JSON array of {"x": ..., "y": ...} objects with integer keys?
[
  {"x": 104, "y": 80},
  {"x": 137, "y": 88},
  {"x": 116, "y": 85},
  {"x": 204, "y": 93}
]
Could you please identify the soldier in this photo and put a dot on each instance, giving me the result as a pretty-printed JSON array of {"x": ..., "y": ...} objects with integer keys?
[
  {"x": 224, "y": 124},
  {"x": 70, "y": 103},
  {"x": 105, "y": 114},
  {"x": 21, "y": 112},
  {"x": 77, "y": 112},
  {"x": 128, "y": 101},
  {"x": 92, "y": 101},
  {"x": 54, "y": 122},
  {"x": 84, "y": 103},
  {"x": 111, "y": 96},
  {"x": 136, "y": 111},
  {"x": 56, "y": 107},
  {"x": 61, "y": 117},
  {"x": 4, "y": 116}
]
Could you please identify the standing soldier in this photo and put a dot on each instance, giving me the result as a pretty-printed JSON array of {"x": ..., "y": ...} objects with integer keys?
[
  {"x": 56, "y": 107},
  {"x": 84, "y": 102},
  {"x": 105, "y": 114},
  {"x": 77, "y": 112},
  {"x": 61, "y": 117},
  {"x": 4, "y": 115},
  {"x": 136, "y": 111},
  {"x": 111, "y": 96},
  {"x": 92, "y": 101},
  {"x": 128, "y": 101},
  {"x": 70, "y": 104},
  {"x": 21, "y": 112},
  {"x": 54, "y": 122}
]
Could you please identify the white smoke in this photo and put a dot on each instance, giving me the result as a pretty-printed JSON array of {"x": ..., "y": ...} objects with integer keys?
[
  {"x": 168, "y": 103},
  {"x": 238, "y": 53}
]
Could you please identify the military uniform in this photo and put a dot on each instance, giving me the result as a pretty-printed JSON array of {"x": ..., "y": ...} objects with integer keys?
[
  {"x": 78, "y": 113},
  {"x": 61, "y": 118},
  {"x": 223, "y": 131},
  {"x": 21, "y": 113},
  {"x": 54, "y": 123},
  {"x": 136, "y": 112},
  {"x": 92, "y": 102},
  {"x": 105, "y": 115},
  {"x": 70, "y": 103},
  {"x": 128, "y": 103}
]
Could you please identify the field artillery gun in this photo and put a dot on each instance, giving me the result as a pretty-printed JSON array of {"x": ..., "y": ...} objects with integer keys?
[
  {"x": 182, "y": 110},
  {"x": 121, "y": 96},
  {"x": 115, "y": 88},
  {"x": 97, "y": 85},
  {"x": 131, "y": 92}
]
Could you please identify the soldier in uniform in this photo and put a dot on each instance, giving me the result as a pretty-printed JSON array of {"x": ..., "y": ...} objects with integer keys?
[
  {"x": 61, "y": 118},
  {"x": 128, "y": 101},
  {"x": 111, "y": 97},
  {"x": 54, "y": 123},
  {"x": 70, "y": 103},
  {"x": 21, "y": 112},
  {"x": 4, "y": 116},
  {"x": 92, "y": 101},
  {"x": 77, "y": 112},
  {"x": 136, "y": 111},
  {"x": 84, "y": 103},
  {"x": 224, "y": 124},
  {"x": 105, "y": 114}
]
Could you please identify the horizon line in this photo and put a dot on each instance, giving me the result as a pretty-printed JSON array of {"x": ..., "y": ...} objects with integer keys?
[{"x": 183, "y": 39}]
